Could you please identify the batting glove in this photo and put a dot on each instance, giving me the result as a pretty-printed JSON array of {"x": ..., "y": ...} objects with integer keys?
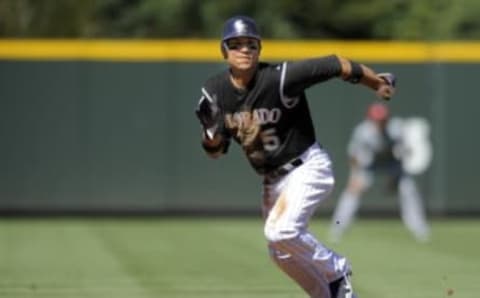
[
  {"x": 207, "y": 112},
  {"x": 389, "y": 78}
]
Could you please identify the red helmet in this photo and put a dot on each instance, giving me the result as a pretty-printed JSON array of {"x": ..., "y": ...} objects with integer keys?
[{"x": 377, "y": 112}]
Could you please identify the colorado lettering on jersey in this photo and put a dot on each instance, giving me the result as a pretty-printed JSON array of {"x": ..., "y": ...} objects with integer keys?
[{"x": 260, "y": 116}]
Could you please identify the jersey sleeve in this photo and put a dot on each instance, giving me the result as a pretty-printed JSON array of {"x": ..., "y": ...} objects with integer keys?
[{"x": 300, "y": 75}]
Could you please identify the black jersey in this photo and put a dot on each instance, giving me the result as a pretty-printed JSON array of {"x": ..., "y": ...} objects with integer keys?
[{"x": 275, "y": 100}]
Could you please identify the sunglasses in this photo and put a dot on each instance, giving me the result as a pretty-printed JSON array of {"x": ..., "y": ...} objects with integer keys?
[{"x": 251, "y": 44}]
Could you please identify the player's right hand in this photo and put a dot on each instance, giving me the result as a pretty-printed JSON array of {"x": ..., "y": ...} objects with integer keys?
[
  {"x": 389, "y": 78},
  {"x": 387, "y": 89},
  {"x": 207, "y": 112}
]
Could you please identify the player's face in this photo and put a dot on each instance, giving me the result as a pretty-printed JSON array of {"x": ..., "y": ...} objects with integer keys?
[{"x": 242, "y": 52}]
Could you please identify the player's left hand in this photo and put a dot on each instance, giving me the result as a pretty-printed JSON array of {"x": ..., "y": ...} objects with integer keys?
[{"x": 387, "y": 89}]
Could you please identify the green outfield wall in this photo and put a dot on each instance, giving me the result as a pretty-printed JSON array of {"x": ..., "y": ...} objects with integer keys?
[{"x": 91, "y": 130}]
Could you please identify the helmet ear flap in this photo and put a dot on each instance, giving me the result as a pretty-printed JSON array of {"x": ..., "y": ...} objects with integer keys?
[{"x": 223, "y": 49}]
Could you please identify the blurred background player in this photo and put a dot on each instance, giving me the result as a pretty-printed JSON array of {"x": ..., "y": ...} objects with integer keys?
[{"x": 394, "y": 147}]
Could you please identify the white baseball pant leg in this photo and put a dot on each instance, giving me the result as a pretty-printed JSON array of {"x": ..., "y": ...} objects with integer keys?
[
  {"x": 349, "y": 202},
  {"x": 289, "y": 203},
  {"x": 412, "y": 210}
]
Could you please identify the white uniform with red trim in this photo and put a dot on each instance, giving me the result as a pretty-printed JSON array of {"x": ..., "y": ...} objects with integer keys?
[{"x": 399, "y": 151}]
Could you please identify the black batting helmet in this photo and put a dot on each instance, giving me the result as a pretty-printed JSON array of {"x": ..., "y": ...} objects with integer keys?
[{"x": 240, "y": 26}]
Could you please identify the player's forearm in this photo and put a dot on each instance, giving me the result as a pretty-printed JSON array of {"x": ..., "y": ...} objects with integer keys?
[
  {"x": 371, "y": 79},
  {"x": 383, "y": 84},
  {"x": 368, "y": 77}
]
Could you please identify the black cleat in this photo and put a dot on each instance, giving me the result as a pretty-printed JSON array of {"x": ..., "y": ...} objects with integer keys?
[{"x": 342, "y": 288}]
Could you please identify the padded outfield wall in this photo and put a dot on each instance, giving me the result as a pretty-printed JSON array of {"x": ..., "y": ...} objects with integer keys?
[{"x": 109, "y": 125}]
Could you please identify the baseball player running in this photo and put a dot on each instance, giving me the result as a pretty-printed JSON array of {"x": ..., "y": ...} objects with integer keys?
[
  {"x": 263, "y": 107},
  {"x": 390, "y": 146}
]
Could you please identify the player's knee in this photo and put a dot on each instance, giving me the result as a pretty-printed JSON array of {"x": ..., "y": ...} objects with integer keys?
[
  {"x": 278, "y": 256},
  {"x": 276, "y": 233}
]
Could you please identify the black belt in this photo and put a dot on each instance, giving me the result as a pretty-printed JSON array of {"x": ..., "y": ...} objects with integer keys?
[{"x": 285, "y": 169}]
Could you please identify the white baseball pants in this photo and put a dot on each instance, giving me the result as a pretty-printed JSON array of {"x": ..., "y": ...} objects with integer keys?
[{"x": 288, "y": 204}]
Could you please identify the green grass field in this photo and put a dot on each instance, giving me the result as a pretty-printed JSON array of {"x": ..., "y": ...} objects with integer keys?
[{"x": 210, "y": 258}]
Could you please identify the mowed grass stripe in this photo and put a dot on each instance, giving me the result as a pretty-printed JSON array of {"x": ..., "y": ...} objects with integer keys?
[
  {"x": 198, "y": 258},
  {"x": 59, "y": 259},
  {"x": 186, "y": 258}
]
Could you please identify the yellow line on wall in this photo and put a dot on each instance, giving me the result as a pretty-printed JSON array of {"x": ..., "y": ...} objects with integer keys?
[{"x": 208, "y": 50}]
